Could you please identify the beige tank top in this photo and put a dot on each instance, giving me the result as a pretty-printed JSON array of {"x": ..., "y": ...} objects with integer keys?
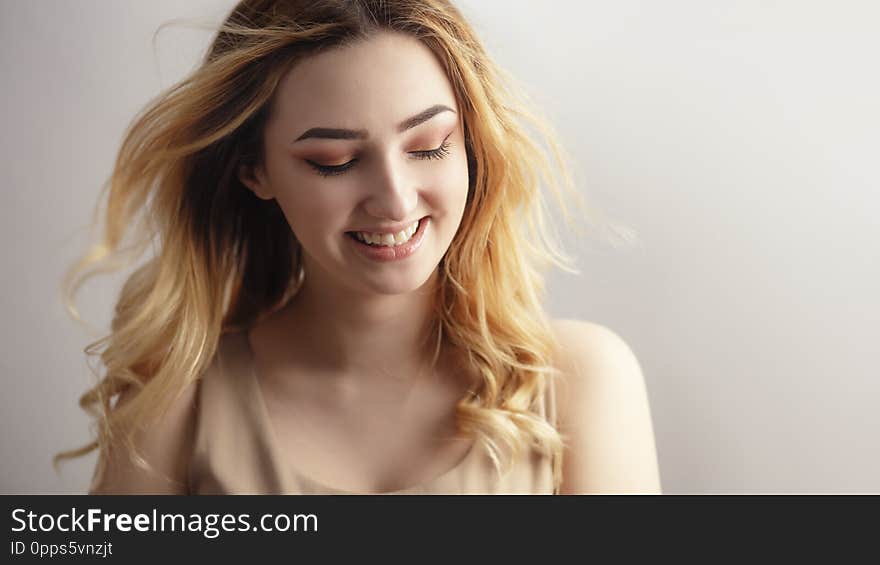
[{"x": 235, "y": 453}]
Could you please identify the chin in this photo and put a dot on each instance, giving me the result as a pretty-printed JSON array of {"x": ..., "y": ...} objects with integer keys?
[{"x": 397, "y": 283}]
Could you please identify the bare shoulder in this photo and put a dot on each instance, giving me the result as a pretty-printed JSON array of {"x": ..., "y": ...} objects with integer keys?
[
  {"x": 604, "y": 412},
  {"x": 587, "y": 350},
  {"x": 165, "y": 444}
]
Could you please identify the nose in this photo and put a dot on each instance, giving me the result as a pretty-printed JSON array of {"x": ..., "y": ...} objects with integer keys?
[{"x": 392, "y": 193}]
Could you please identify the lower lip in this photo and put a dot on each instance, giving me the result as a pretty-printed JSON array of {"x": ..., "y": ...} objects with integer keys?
[{"x": 383, "y": 254}]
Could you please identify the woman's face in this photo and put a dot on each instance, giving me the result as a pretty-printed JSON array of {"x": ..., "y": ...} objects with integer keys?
[{"x": 396, "y": 165}]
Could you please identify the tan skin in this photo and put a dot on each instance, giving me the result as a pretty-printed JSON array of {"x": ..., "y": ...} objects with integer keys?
[
  {"x": 340, "y": 366},
  {"x": 343, "y": 376}
]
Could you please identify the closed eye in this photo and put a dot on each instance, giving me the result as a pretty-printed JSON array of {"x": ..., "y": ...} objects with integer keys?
[{"x": 330, "y": 170}]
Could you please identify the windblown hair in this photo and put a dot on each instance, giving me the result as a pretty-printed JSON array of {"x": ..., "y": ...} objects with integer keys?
[{"x": 224, "y": 258}]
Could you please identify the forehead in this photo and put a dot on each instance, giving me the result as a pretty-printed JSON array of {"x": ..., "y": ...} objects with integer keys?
[{"x": 373, "y": 83}]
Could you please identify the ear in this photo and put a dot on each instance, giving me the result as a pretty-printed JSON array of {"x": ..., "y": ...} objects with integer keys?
[{"x": 253, "y": 177}]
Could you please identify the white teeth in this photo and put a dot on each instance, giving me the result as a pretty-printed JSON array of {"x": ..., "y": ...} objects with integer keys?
[{"x": 388, "y": 239}]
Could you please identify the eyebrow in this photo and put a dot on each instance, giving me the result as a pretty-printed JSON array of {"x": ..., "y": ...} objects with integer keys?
[{"x": 409, "y": 123}]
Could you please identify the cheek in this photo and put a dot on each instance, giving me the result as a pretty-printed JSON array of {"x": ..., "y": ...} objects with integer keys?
[
  {"x": 311, "y": 211},
  {"x": 447, "y": 197},
  {"x": 308, "y": 204},
  {"x": 457, "y": 186}
]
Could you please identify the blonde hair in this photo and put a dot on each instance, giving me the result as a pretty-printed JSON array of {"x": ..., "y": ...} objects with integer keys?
[{"x": 224, "y": 258}]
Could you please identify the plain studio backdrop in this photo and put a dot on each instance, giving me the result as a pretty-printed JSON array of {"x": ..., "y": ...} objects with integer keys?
[{"x": 738, "y": 140}]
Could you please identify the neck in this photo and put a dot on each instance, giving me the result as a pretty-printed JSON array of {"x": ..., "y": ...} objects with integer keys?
[{"x": 358, "y": 333}]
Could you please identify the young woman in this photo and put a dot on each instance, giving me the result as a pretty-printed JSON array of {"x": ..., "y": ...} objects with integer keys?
[{"x": 345, "y": 295}]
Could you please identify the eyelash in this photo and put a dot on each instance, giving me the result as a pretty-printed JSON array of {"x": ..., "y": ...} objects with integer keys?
[{"x": 331, "y": 170}]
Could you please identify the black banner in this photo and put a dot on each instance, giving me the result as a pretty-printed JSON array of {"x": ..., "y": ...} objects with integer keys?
[{"x": 154, "y": 529}]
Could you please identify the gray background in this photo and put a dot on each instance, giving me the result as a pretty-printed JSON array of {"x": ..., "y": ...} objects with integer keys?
[{"x": 738, "y": 140}]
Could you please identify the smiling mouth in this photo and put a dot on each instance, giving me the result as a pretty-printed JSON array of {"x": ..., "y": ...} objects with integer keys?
[{"x": 386, "y": 240}]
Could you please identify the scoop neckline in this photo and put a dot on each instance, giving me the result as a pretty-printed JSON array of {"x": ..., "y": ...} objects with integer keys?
[{"x": 285, "y": 467}]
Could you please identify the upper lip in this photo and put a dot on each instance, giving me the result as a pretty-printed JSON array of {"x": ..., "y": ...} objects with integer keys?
[{"x": 394, "y": 228}]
